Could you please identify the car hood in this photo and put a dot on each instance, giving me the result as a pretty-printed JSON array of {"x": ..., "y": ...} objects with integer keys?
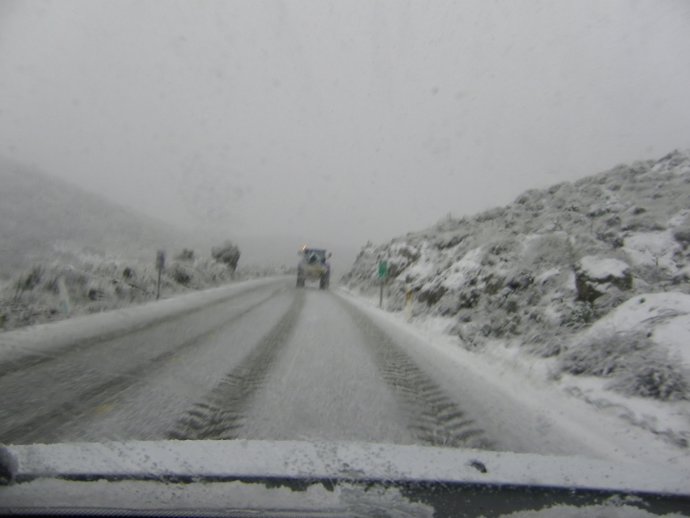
[{"x": 324, "y": 478}]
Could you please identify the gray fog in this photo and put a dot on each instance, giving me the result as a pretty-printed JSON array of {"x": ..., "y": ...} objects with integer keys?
[{"x": 337, "y": 121}]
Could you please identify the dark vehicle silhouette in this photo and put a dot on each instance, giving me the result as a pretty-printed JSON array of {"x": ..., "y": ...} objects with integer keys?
[{"x": 314, "y": 266}]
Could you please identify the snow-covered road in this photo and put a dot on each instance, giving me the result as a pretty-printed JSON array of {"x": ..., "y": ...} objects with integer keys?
[{"x": 266, "y": 361}]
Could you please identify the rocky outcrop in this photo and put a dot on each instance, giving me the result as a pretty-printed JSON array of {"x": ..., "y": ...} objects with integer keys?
[{"x": 595, "y": 276}]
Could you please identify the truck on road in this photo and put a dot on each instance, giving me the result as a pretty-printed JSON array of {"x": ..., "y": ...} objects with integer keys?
[{"x": 313, "y": 266}]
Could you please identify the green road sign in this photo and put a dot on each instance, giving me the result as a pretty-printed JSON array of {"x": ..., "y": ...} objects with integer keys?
[{"x": 383, "y": 269}]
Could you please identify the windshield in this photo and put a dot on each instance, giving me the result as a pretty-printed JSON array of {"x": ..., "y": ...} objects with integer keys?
[{"x": 495, "y": 198}]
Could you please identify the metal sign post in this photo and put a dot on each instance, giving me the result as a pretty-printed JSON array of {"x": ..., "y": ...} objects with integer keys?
[
  {"x": 409, "y": 298},
  {"x": 383, "y": 275},
  {"x": 160, "y": 264},
  {"x": 65, "y": 304}
]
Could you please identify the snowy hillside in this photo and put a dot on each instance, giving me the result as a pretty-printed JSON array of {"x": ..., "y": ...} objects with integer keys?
[
  {"x": 65, "y": 252},
  {"x": 44, "y": 218},
  {"x": 589, "y": 280}
]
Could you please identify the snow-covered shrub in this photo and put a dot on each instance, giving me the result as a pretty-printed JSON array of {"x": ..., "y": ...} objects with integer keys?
[
  {"x": 538, "y": 344},
  {"x": 187, "y": 255},
  {"x": 491, "y": 214},
  {"x": 654, "y": 376},
  {"x": 641, "y": 223},
  {"x": 609, "y": 301},
  {"x": 76, "y": 280},
  {"x": 399, "y": 257},
  {"x": 492, "y": 284},
  {"x": 633, "y": 361},
  {"x": 29, "y": 281},
  {"x": 611, "y": 238},
  {"x": 501, "y": 324},
  {"x": 228, "y": 253},
  {"x": 396, "y": 300},
  {"x": 605, "y": 354},
  {"x": 500, "y": 249},
  {"x": 551, "y": 249},
  {"x": 449, "y": 241},
  {"x": 682, "y": 235},
  {"x": 431, "y": 294},
  {"x": 520, "y": 281},
  {"x": 180, "y": 274},
  {"x": 468, "y": 298},
  {"x": 95, "y": 291}
]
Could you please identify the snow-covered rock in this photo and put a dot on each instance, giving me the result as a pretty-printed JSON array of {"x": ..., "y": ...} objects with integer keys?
[
  {"x": 594, "y": 276},
  {"x": 603, "y": 269}
]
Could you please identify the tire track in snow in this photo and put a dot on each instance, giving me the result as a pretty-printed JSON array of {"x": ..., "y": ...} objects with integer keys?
[
  {"x": 433, "y": 417},
  {"x": 45, "y": 427},
  {"x": 222, "y": 412}
]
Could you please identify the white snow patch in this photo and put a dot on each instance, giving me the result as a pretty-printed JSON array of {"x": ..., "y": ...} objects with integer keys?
[
  {"x": 642, "y": 312},
  {"x": 676, "y": 165},
  {"x": 546, "y": 275},
  {"x": 674, "y": 336},
  {"x": 652, "y": 249},
  {"x": 529, "y": 239},
  {"x": 665, "y": 316},
  {"x": 602, "y": 267},
  {"x": 679, "y": 218},
  {"x": 569, "y": 283},
  {"x": 551, "y": 314},
  {"x": 644, "y": 413},
  {"x": 422, "y": 269},
  {"x": 461, "y": 270}
]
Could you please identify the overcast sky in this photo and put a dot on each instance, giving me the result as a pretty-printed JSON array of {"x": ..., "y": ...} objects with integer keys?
[{"x": 341, "y": 120}]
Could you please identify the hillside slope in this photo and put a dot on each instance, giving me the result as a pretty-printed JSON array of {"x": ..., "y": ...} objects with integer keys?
[
  {"x": 66, "y": 252},
  {"x": 42, "y": 217},
  {"x": 495, "y": 271},
  {"x": 590, "y": 278}
]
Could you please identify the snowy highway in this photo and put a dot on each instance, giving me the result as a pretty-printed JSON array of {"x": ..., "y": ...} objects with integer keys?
[{"x": 266, "y": 361}]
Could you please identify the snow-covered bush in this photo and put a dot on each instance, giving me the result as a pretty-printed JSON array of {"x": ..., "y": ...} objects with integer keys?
[
  {"x": 581, "y": 314},
  {"x": 641, "y": 223},
  {"x": 180, "y": 274},
  {"x": 542, "y": 346},
  {"x": 29, "y": 281},
  {"x": 605, "y": 354},
  {"x": 187, "y": 254},
  {"x": 653, "y": 376},
  {"x": 550, "y": 249},
  {"x": 682, "y": 235},
  {"x": 228, "y": 253},
  {"x": 633, "y": 361}
]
